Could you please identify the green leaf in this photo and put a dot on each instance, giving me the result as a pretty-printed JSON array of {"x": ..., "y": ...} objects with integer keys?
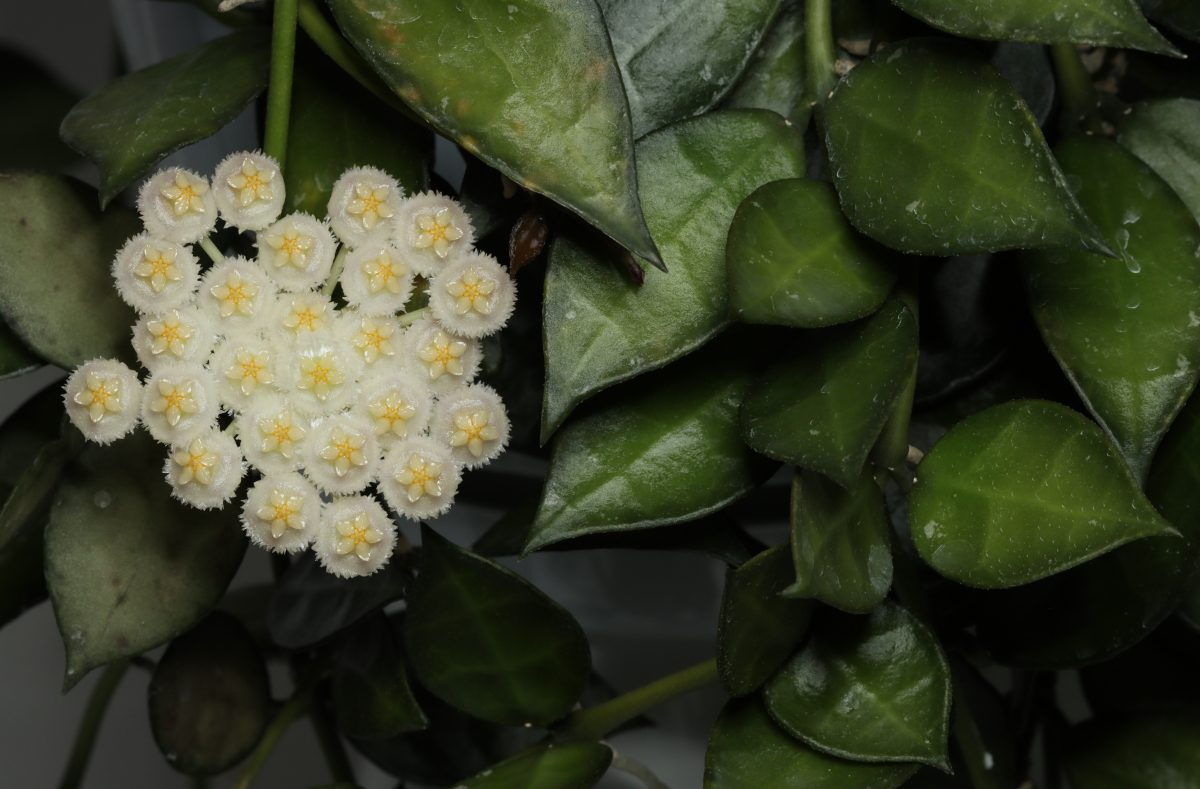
[
  {"x": 1122, "y": 329},
  {"x": 210, "y": 698},
  {"x": 28, "y": 506},
  {"x": 128, "y": 566},
  {"x": 370, "y": 692},
  {"x": 310, "y": 604},
  {"x": 840, "y": 542},
  {"x": 824, "y": 403},
  {"x": 1164, "y": 134},
  {"x": 15, "y": 358},
  {"x": 74, "y": 315},
  {"x": 933, "y": 152},
  {"x": 1111, "y": 23},
  {"x": 758, "y": 629},
  {"x": 1157, "y": 674},
  {"x": 136, "y": 121},
  {"x": 1178, "y": 16},
  {"x": 774, "y": 77},
  {"x": 1091, "y": 612},
  {"x": 747, "y": 749},
  {"x": 487, "y": 641},
  {"x": 1022, "y": 491},
  {"x": 600, "y": 328},
  {"x": 1143, "y": 752},
  {"x": 533, "y": 91},
  {"x": 1028, "y": 69},
  {"x": 662, "y": 450},
  {"x": 794, "y": 260},
  {"x": 571, "y": 765},
  {"x": 482, "y": 197},
  {"x": 337, "y": 124},
  {"x": 679, "y": 59},
  {"x": 873, "y": 688}
]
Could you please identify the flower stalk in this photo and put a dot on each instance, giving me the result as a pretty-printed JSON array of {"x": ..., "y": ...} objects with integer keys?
[{"x": 279, "y": 90}]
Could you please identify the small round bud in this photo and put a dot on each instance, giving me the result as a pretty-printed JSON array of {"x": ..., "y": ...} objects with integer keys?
[
  {"x": 297, "y": 252},
  {"x": 442, "y": 359},
  {"x": 205, "y": 470},
  {"x": 473, "y": 422},
  {"x": 180, "y": 402},
  {"x": 375, "y": 279},
  {"x": 249, "y": 190},
  {"x": 282, "y": 513},
  {"x": 178, "y": 335},
  {"x": 154, "y": 275},
  {"x": 103, "y": 398},
  {"x": 362, "y": 199},
  {"x": 356, "y": 537},
  {"x": 431, "y": 229},
  {"x": 472, "y": 295},
  {"x": 177, "y": 205},
  {"x": 419, "y": 478},
  {"x": 341, "y": 456}
]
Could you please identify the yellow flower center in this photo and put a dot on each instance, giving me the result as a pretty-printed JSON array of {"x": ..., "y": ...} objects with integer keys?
[
  {"x": 250, "y": 370},
  {"x": 170, "y": 334},
  {"x": 370, "y": 205},
  {"x": 383, "y": 272},
  {"x": 344, "y": 450},
  {"x": 101, "y": 396},
  {"x": 436, "y": 232},
  {"x": 157, "y": 267},
  {"x": 442, "y": 355},
  {"x": 282, "y": 511},
  {"x": 234, "y": 295},
  {"x": 472, "y": 292},
  {"x": 472, "y": 430},
  {"x": 372, "y": 339},
  {"x": 391, "y": 412},
  {"x": 420, "y": 477},
  {"x": 196, "y": 462},
  {"x": 279, "y": 434},
  {"x": 357, "y": 536},
  {"x": 175, "y": 400},
  {"x": 291, "y": 247},
  {"x": 185, "y": 194},
  {"x": 252, "y": 183}
]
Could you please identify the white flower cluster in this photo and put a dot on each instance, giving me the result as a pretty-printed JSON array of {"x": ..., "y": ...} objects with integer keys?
[{"x": 327, "y": 401}]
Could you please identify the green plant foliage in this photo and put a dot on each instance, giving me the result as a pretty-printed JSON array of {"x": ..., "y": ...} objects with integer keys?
[
  {"x": 933, "y": 152},
  {"x": 1027, "y": 68},
  {"x": 573, "y": 765},
  {"x": 549, "y": 112},
  {"x": 840, "y": 543},
  {"x": 133, "y": 123},
  {"x": 75, "y": 315},
  {"x": 599, "y": 327},
  {"x": 871, "y": 689},
  {"x": 794, "y": 260},
  {"x": 28, "y": 505},
  {"x": 1134, "y": 368},
  {"x": 487, "y": 641},
  {"x": 209, "y": 697},
  {"x": 663, "y": 450},
  {"x": 679, "y": 59},
  {"x": 15, "y": 358},
  {"x": 1114, "y": 23},
  {"x": 1022, "y": 491},
  {"x": 748, "y": 749},
  {"x": 1165, "y": 134},
  {"x": 370, "y": 692},
  {"x": 1157, "y": 674},
  {"x": 824, "y": 403},
  {"x": 774, "y": 77},
  {"x": 1140, "y": 752},
  {"x": 127, "y": 566},
  {"x": 758, "y": 629},
  {"x": 1178, "y": 16}
]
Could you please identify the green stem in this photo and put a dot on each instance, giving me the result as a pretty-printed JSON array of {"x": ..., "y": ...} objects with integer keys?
[
  {"x": 331, "y": 745},
  {"x": 290, "y": 710},
  {"x": 89, "y": 727},
  {"x": 409, "y": 318},
  {"x": 637, "y": 770},
  {"x": 211, "y": 250},
  {"x": 335, "y": 272},
  {"x": 891, "y": 449},
  {"x": 594, "y": 723},
  {"x": 819, "y": 53},
  {"x": 1075, "y": 84},
  {"x": 279, "y": 90}
]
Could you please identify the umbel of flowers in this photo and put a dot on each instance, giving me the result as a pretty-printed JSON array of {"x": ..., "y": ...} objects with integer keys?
[{"x": 325, "y": 401}]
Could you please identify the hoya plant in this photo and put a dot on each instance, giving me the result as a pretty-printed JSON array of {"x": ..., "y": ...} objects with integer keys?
[{"x": 934, "y": 262}]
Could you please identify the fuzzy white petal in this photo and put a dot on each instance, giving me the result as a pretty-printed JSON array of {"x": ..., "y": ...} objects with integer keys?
[
  {"x": 282, "y": 513},
  {"x": 153, "y": 275},
  {"x": 249, "y": 190},
  {"x": 273, "y": 434},
  {"x": 178, "y": 335},
  {"x": 439, "y": 357},
  {"x": 327, "y": 455},
  {"x": 184, "y": 393},
  {"x": 103, "y": 399},
  {"x": 297, "y": 252},
  {"x": 397, "y": 403},
  {"x": 484, "y": 411},
  {"x": 177, "y": 205},
  {"x": 425, "y": 219},
  {"x": 375, "y": 278},
  {"x": 236, "y": 294},
  {"x": 409, "y": 483},
  {"x": 223, "y": 465},
  {"x": 473, "y": 295},
  {"x": 352, "y": 218},
  {"x": 348, "y": 511}
]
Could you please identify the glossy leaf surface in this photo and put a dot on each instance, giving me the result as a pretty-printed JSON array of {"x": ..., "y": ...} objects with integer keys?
[
  {"x": 573, "y": 765},
  {"x": 1028, "y": 69},
  {"x": 1165, "y": 134},
  {"x": 794, "y": 260},
  {"x": 678, "y": 59},
  {"x": 822, "y": 405},
  {"x": 1156, "y": 674},
  {"x": 74, "y": 315},
  {"x": 873, "y": 688},
  {"x": 664, "y": 450},
  {"x": 774, "y": 77},
  {"x": 370, "y": 692},
  {"x": 1114, "y": 23},
  {"x": 136, "y": 121},
  {"x": 599, "y": 327},
  {"x": 1022, "y": 491},
  {"x": 128, "y": 566},
  {"x": 758, "y": 629},
  {"x": 1142, "y": 752},
  {"x": 209, "y": 697},
  {"x": 547, "y": 110},
  {"x": 933, "y": 152},
  {"x": 1133, "y": 367},
  {"x": 748, "y": 749},
  {"x": 1180, "y": 16},
  {"x": 487, "y": 641},
  {"x": 840, "y": 542}
]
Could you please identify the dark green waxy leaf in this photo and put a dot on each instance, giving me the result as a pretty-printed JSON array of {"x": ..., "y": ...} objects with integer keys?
[
  {"x": 774, "y": 77},
  {"x": 840, "y": 542},
  {"x": 22, "y": 581},
  {"x": 692, "y": 177},
  {"x": 663, "y": 450},
  {"x": 1134, "y": 368},
  {"x": 28, "y": 505},
  {"x": 336, "y": 124},
  {"x": 74, "y": 315},
  {"x": 1143, "y": 752},
  {"x": 547, "y": 110},
  {"x": 33, "y": 103},
  {"x": 1028, "y": 69},
  {"x": 15, "y": 358},
  {"x": 873, "y": 688},
  {"x": 1165, "y": 134},
  {"x": 933, "y": 152},
  {"x": 748, "y": 749},
  {"x": 128, "y": 566},
  {"x": 310, "y": 604},
  {"x": 370, "y": 692},
  {"x": 823, "y": 405},
  {"x": 1022, "y": 491},
  {"x": 679, "y": 59},
  {"x": 794, "y": 260},
  {"x": 136, "y": 121},
  {"x": 1091, "y": 612},
  {"x": 210, "y": 698},
  {"x": 1158, "y": 673},
  {"x": 572, "y": 765},
  {"x": 487, "y": 641},
  {"x": 1112, "y": 23},
  {"x": 758, "y": 629},
  {"x": 1179, "y": 16}
]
